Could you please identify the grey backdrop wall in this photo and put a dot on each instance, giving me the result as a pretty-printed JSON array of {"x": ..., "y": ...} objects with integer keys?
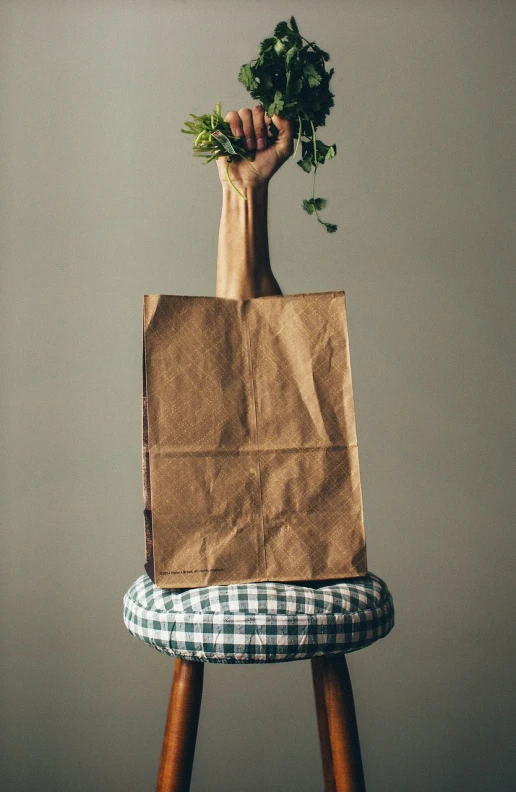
[{"x": 102, "y": 203}]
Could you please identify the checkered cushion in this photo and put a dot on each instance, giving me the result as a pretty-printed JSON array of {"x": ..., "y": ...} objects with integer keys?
[{"x": 259, "y": 622}]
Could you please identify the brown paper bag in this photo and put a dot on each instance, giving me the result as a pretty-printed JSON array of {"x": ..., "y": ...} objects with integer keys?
[{"x": 250, "y": 458}]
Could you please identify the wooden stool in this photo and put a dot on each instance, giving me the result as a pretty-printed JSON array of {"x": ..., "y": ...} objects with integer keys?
[
  {"x": 338, "y": 733},
  {"x": 261, "y": 623}
]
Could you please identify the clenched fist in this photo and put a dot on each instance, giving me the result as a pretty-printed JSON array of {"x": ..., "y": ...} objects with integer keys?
[{"x": 252, "y": 125}]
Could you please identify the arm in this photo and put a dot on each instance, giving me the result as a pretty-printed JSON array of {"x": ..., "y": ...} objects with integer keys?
[{"x": 243, "y": 264}]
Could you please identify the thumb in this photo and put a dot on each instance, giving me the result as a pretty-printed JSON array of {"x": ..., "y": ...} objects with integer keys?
[{"x": 285, "y": 140}]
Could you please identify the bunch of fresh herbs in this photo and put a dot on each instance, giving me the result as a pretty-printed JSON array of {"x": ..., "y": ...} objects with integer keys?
[
  {"x": 214, "y": 138},
  {"x": 289, "y": 78}
]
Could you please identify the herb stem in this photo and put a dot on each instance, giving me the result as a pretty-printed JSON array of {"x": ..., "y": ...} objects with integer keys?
[
  {"x": 315, "y": 164},
  {"x": 210, "y": 157},
  {"x": 229, "y": 180},
  {"x": 298, "y": 136},
  {"x": 314, "y": 138}
]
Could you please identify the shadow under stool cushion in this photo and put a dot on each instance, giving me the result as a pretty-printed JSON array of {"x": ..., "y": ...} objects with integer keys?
[{"x": 259, "y": 622}]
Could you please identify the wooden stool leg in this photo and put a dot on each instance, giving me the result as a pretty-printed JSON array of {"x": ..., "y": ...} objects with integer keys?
[
  {"x": 178, "y": 749},
  {"x": 322, "y": 723},
  {"x": 345, "y": 763}
]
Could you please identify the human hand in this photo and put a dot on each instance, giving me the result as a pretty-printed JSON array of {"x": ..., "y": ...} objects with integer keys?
[{"x": 252, "y": 125}]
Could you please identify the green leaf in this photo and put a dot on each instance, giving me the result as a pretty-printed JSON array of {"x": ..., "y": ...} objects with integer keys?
[
  {"x": 293, "y": 25},
  {"x": 320, "y": 203},
  {"x": 279, "y": 46},
  {"x": 281, "y": 30},
  {"x": 312, "y": 75},
  {"x": 294, "y": 89},
  {"x": 246, "y": 77},
  {"x": 306, "y": 164},
  {"x": 308, "y": 206},
  {"x": 266, "y": 45},
  {"x": 290, "y": 54},
  {"x": 325, "y": 152},
  {"x": 277, "y": 104},
  {"x": 330, "y": 228}
]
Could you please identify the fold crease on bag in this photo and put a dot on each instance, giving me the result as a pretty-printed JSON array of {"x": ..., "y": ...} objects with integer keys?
[{"x": 250, "y": 455}]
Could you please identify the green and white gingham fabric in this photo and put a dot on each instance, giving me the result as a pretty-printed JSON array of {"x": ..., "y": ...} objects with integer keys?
[{"x": 259, "y": 622}]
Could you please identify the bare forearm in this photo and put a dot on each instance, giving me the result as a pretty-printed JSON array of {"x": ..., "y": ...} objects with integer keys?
[{"x": 243, "y": 263}]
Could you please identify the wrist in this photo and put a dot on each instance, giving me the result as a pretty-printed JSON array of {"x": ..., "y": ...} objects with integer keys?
[{"x": 250, "y": 190}]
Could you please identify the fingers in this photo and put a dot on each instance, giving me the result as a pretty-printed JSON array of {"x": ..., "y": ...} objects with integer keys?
[
  {"x": 247, "y": 122},
  {"x": 250, "y": 124},
  {"x": 260, "y": 130},
  {"x": 285, "y": 141},
  {"x": 253, "y": 125},
  {"x": 234, "y": 122}
]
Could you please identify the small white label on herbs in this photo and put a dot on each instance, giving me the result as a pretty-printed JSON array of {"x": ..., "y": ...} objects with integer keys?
[{"x": 224, "y": 140}]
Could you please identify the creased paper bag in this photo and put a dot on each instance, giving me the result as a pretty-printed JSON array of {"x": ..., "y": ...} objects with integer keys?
[{"x": 250, "y": 458}]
